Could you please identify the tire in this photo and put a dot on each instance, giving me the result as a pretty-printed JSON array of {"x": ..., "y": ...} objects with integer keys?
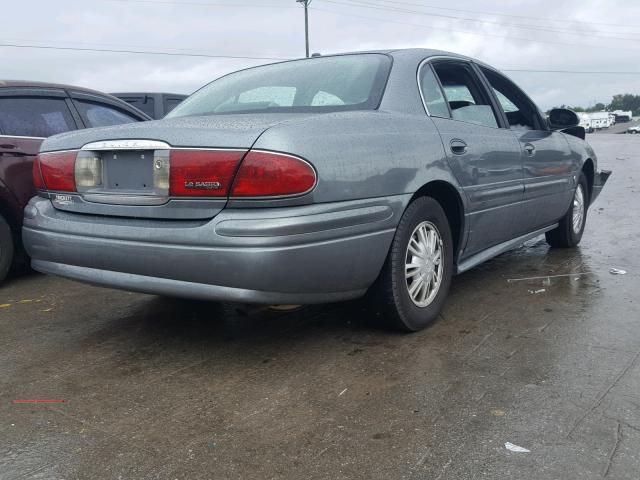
[
  {"x": 401, "y": 311},
  {"x": 6, "y": 248},
  {"x": 565, "y": 235}
]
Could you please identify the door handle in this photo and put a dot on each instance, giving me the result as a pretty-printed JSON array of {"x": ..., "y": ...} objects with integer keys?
[
  {"x": 458, "y": 147},
  {"x": 529, "y": 148}
]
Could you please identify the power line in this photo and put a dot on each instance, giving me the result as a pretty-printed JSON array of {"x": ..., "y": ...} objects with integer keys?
[
  {"x": 578, "y": 72},
  {"x": 99, "y": 50},
  {"x": 544, "y": 19},
  {"x": 140, "y": 52},
  {"x": 483, "y": 34},
  {"x": 356, "y": 3},
  {"x": 201, "y": 4},
  {"x": 119, "y": 46}
]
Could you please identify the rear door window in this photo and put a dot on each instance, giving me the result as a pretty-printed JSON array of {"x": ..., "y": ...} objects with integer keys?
[
  {"x": 466, "y": 97},
  {"x": 35, "y": 116},
  {"x": 96, "y": 114}
]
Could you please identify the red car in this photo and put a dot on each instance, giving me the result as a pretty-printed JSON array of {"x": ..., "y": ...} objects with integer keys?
[{"x": 30, "y": 112}]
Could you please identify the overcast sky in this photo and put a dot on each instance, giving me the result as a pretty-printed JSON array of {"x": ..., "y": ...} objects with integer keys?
[{"x": 583, "y": 35}]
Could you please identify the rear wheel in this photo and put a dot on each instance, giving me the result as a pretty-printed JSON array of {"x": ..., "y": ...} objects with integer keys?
[
  {"x": 6, "y": 248},
  {"x": 569, "y": 232},
  {"x": 415, "y": 279}
]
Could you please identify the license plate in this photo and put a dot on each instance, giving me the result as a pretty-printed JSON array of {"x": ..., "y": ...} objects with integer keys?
[{"x": 128, "y": 171}]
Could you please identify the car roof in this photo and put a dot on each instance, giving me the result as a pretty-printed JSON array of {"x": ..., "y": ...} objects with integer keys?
[
  {"x": 31, "y": 84},
  {"x": 73, "y": 88},
  {"x": 150, "y": 93},
  {"x": 410, "y": 54},
  {"x": 418, "y": 53}
]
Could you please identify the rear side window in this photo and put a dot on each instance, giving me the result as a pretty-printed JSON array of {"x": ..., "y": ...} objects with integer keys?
[
  {"x": 467, "y": 99},
  {"x": 324, "y": 84},
  {"x": 34, "y": 116},
  {"x": 432, "y": 94},
  {"x": 100, "y": 115}
]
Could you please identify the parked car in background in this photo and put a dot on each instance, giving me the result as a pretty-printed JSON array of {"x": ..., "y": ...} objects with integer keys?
[
  {"x": 634, "y": 129},
  {"x": 316, "y": 180},
  {"x": 156, "y": 105},
  {"x": 30, "y": 112}
]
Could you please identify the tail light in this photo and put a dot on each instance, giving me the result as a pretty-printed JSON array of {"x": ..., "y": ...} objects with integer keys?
[
  {"x": 38, "y": 182},
  {"x": 202, "y": 173},
  {"x": 88, "y": 169},
  {"x": 267, "y": 174},
  {"x": 55, "y": 171},
  {"x": 187, "y": 173}
]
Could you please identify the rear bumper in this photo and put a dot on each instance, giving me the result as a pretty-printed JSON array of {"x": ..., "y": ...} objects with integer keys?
[
  {"x": 306, "y": 254},
  {"x": 599, "y": 182}
]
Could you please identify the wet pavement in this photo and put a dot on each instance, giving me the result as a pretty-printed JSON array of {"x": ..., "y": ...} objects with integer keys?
[{"x": 170, "y": 389}]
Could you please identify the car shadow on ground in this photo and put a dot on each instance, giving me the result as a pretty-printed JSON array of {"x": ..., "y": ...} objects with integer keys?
[{"x": 181, "y": 322}]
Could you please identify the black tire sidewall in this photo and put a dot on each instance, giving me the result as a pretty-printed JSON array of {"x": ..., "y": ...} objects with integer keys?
[{"x": 410, "y": 316}]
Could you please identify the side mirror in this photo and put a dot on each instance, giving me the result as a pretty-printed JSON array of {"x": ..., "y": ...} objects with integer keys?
[{"x": 561, "y": 118}]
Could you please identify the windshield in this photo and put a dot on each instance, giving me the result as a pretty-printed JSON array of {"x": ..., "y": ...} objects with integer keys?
[{"x": 323, "y": 84}]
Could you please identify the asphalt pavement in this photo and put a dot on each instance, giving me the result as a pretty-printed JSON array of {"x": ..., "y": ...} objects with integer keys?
[{"x": 537, "y": 349}]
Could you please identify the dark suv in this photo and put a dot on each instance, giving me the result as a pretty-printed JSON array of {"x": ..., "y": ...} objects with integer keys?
[
  {"x": 30, "y": 112},
  {"x": 156, "y": 105}
]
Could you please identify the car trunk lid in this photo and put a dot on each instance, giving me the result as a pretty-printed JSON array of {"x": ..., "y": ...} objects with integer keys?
[{"x": 129, "y": 166}]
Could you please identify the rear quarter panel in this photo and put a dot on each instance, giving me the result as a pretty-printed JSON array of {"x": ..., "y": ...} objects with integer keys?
[{"x": 361, "y": 155}]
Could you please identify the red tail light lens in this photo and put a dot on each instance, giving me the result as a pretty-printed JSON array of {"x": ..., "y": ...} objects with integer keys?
[
  {"x": 189, "y": 173},
  {"x": 58, "y": 171},
  {"x": 266, "y": 174},
  {"x": 38, "y": 182},
  {"x": 203, "y": 173}
]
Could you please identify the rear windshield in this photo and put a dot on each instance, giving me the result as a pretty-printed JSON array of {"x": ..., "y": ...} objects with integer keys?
[{"x": 323, "y": 84}]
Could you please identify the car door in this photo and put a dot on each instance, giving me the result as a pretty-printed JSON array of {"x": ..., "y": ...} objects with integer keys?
[
  {"x": 484, "y": 157},
  {"x": 549, "y": 167},
  {"x": 27, "y": 117}
]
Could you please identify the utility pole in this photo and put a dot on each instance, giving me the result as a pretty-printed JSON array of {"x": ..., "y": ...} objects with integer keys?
[{"x": 306, "y": 4}]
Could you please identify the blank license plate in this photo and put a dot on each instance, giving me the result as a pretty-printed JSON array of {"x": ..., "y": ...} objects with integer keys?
[{"x": 130, "y": 171}]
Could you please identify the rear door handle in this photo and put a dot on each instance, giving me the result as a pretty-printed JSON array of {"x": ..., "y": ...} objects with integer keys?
[
  {"x": 529, "y": 148},
  {"x": 458, "y": 147}
]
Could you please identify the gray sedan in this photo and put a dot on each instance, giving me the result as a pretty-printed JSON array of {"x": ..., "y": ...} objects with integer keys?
[{"x": 314, "y": 181}]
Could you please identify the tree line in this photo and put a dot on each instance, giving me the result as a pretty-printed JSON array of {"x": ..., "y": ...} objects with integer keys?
[{"x": 623, "y": 101}]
